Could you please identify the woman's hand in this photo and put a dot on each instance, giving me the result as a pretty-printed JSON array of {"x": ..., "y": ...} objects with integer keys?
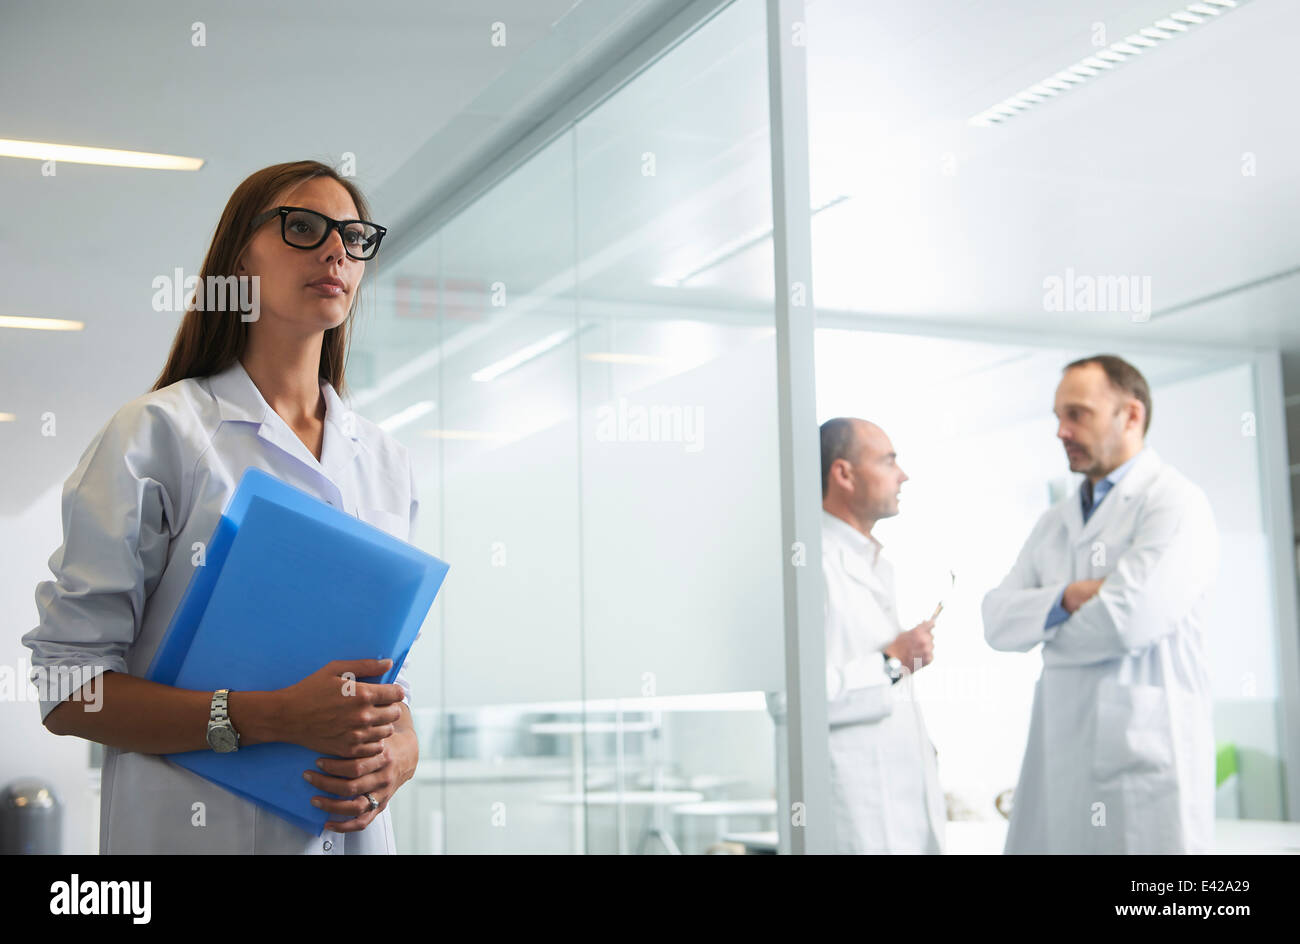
[
  {"x": 380, "y": 775},
  {"x": 331, "y": 713}
]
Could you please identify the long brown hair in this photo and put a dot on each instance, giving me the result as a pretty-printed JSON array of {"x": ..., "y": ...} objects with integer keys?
[{"x": 208, "y": 342}]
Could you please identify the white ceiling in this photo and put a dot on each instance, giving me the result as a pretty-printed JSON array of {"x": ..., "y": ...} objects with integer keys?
[
  {"x": 1137, "y": 172},
  {"x": 275, "y": 82}
]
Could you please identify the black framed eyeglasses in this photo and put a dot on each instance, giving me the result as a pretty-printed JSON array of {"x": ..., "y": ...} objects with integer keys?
[{"x": 307, "y": 229}]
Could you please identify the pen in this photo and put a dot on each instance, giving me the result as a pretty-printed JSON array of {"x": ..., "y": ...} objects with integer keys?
[{"x": 939, "y": 609}]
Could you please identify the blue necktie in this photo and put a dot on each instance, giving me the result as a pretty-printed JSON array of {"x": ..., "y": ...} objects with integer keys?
[{"x": 1085, "y": 494}]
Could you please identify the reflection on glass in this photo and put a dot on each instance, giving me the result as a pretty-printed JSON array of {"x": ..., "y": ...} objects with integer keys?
[{"x": 583, "y": 362}]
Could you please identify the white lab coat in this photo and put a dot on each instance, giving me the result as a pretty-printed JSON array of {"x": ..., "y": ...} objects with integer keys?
[
  {"x": 151, "y": 484},
  {"x": 885, "y": 793},
  {"x": 1120, "y": 756}
]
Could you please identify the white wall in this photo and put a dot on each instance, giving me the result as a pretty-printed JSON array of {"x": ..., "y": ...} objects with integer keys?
[
  {"x": 26, "y": 748},
  {"x": 1205, "y": 426}
]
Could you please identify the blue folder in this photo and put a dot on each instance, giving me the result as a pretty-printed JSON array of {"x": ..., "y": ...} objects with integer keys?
[{"x": 288, "y": 584}]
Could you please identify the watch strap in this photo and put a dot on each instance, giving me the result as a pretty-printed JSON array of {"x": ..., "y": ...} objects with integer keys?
[{"x": 220, "y": 705}]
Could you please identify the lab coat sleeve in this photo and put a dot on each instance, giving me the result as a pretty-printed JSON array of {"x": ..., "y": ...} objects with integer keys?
[
  {"x": 862, "y": 692},
  {"x": 1157, "y": 581},
  {"x": 1059, "y": 613},
  {"x": 117, "y": 506},
  {"x": 1016, "y": 611},
  {"x": 858, "y": 691},
  {"x": 401, "y": 675}
]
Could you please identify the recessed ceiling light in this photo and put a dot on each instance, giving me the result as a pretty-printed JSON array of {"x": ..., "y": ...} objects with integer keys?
[
  {"x": 108, "y": 157},
  {"x": 40, "y": 324},
  {"x": 732, "y": 249},
  {"x": 404, "y": 416},
  {"x": 529, "y": 353},
  {"x": 522, "y": 356},
  {"x": 467, "y": 434},
  {"x": 1150, "y": 37},
  {"x": 615, "y": 357}
]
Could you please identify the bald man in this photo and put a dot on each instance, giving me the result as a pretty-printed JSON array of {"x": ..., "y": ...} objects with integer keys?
[{"x": 885, "y": 794}]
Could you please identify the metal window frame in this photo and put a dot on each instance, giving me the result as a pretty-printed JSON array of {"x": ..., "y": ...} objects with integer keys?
[
  {"x": 1275, "y": 491},
  {"x": 805, "y": 812}
]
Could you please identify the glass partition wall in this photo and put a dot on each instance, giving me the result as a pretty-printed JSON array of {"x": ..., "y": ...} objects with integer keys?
[{"x": 582, "y": 362}]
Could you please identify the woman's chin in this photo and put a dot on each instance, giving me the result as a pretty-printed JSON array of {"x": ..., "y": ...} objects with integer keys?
[{"x": 323, "y": 319}]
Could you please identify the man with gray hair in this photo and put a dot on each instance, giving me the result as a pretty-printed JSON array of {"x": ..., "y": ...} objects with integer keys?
[
  {"x": 1114, "y": 585},
  {"x": 885, "y": 794}
]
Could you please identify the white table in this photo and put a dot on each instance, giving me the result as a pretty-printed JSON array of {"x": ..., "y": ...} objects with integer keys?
[
  {"x": 576, "y": 730},
  {"x": 627, "y": 797},
  {"x": 723, "y": 810},
  {"x": 651, "y": 798},
  {"x": 1231, "y": 837},
  {"x": 761, "y": 843},
  {"x": 1256, "y": 837},
  {"x": 986, "y": 837}
]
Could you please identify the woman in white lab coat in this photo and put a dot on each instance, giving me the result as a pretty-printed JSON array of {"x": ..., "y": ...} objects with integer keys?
[{"x": 254, "y": 385}]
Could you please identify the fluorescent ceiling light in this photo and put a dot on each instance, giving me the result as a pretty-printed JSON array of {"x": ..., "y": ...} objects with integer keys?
[
  {"x": 1149, "y": 37},
  {"x": 611, "y": 357},
  {"x": 731, "y": 701},
  {"x": 521, "y": 356},
  {"x": 6, "y": 417},
  {"x": 40, "y": 324},
  {"x": 409, "y": 415},
  {"x": 526, "y": 354},
  {"x": 474, "y": 434},
  {"x": 109, "y": 157},
  {"x": 732, "y": 249}
]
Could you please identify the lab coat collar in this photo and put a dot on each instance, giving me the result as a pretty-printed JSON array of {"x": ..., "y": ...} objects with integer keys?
[
  {"x": 1144, "y": 468},
  {"x": 856, "y": 540},
  {"x": 237, "y": 396},
  {"x": 238, "y": 399}
]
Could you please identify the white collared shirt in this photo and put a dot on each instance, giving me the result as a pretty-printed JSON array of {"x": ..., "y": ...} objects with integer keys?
[
  {"x": 860, "y": 615},
  {"x": 151, "y": 484}
]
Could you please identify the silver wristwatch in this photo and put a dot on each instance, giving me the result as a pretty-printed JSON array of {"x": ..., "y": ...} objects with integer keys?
[
  {"x": 894, "y": 668},
  {"x": 222, "y": 736}
]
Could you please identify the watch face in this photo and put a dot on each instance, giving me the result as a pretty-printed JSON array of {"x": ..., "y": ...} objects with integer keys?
[{"x": 222, "y": 739}]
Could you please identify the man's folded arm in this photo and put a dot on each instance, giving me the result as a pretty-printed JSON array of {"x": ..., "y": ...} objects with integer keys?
[
  {"x": 1169, "y": 566},
  {"x": 1019, "y": 612}
]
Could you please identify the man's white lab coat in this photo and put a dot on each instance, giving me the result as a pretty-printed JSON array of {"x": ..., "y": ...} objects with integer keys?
[
  {"x": 1120, "y": 757},
  {"x": 885, "y": 792}
]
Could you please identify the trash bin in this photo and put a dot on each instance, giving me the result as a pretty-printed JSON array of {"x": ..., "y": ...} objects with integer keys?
[{"x": 31, "y": 819}]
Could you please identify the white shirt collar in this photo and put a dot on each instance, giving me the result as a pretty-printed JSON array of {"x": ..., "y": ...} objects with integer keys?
[
  {"x": 1121, "y": 470},
  {"x": 865, "y": 543}
]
